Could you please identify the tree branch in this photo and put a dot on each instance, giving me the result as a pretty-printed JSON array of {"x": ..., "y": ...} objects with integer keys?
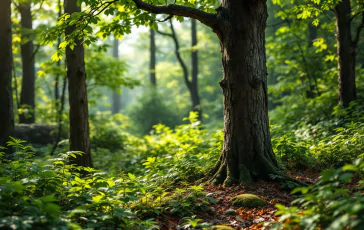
[
  {"x": 208, "y": 19},
  {"x": 178, "y": 54},
  {"x": 164, "y": 34},
  {"x": 358, "y": 30}
]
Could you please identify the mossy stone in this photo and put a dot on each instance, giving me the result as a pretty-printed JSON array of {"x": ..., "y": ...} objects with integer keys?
[
  {"x": 248, "y": 201},
  {"x": 221, "y": 227}
]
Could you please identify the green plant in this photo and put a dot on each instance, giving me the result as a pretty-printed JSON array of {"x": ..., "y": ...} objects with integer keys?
[
  {"x": 330, "y": 203},
  {"x": 194, "y": 223}
]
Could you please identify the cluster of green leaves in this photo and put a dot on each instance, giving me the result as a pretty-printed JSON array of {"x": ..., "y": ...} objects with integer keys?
[{"x": 329, "y": 204}]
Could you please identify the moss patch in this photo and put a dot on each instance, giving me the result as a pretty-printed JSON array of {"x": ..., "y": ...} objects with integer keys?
[{"x": 248, "y": 201}]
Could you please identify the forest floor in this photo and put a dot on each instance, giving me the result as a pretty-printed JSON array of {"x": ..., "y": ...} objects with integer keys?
[{"x": 224, "y": 213}]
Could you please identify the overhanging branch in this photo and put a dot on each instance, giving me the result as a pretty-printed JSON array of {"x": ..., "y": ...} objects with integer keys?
[{"x": 173, "y": 9}]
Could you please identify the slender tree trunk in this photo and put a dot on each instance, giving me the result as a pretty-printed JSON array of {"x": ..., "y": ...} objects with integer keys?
[
  {"x": 196, "y": 106},
  {"x": 346, "y": 54},
  {"x": 6, "y": 100},
  {"x": 152, "y": 73},
  {"x": 247, "y": 149},
  {"x": 312, "y": 35},
  {"x": 77, "y": 90},
  {"x": 116, "y": 100},
  {"x": 56, "y": 84},
  {"x": 27, "y": 95}
]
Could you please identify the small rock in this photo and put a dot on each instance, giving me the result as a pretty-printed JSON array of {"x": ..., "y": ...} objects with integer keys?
[
  {"x": 248, "y": 201},
  {"x": 230, "y": 212}
]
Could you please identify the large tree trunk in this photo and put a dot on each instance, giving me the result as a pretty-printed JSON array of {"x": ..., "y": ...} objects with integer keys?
[
  {"x": 116, "y": 100},
  {"x": 346, "y": 54},
  {"x": 194, "y": 82},
  {"x": 27, "y": 98},
  {"x": 78, "y": 113},
  {"x": 6, "y": 101},
  {"x": 152, "y": 74},
  {"x": 247, "y": 149}
]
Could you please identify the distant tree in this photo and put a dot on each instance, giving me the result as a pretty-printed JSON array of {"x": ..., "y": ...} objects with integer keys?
[
  {"x": 27, "y": 95},
  {"x": 196, "y": 104},
  {"x": 152, "y": 73},
  {"x": 79, "y": 134},
  {"x": 347, "y": 49},
  {"x": 192, "y": 84},
  {"x": 6, "y": 101},
  {"x": 240, "y": 25},
  {"x": 116, "y": 100}
]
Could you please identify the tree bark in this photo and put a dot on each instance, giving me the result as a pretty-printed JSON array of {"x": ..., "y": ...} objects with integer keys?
[
  {"x": 247, "y": 150},
  {"x": 6, "y": 100},
  {"x": 346, "y": 54},
  {"x": 152, "y": 73},
  {"x": 27, "y": 95},
  {"x": 77, "y": 90},
  {"x": 116, "y": 100},
  {"x": 196, "y": 106}
]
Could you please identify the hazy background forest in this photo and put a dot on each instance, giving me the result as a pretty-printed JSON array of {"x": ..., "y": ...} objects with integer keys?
[{"x": 156, "y": 119}]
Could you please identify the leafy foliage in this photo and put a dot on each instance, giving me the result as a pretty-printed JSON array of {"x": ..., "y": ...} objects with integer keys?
[{"x": 330, "y": 203}]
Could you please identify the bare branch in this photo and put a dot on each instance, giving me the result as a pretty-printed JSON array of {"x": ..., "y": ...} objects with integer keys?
[
  {"x": 178, "y": 54},
  {"x": 356, "y": 14},
  {"x": 166, "y": 19},
  {"x": 172, "y": 9},
  {"x": 358, "y": 30},
  {"x": 164, "y": 34}
]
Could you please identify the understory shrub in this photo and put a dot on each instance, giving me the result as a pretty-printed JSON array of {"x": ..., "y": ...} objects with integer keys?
[{"x": 330, "y": 203}]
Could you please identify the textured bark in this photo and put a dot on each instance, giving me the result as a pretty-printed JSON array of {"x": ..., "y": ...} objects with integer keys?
[
  {"x": 6, "y": 101},
  {"x": 77, "y": 90},
  {"x": 152, "y": 74},
  {"x": 346, "y": 54},
  {"x": 27, "y": 95},
  {"x": 116, "y": 100},
  {"x": 196, "y": 106},
  {"x": 247, "y": 149}
]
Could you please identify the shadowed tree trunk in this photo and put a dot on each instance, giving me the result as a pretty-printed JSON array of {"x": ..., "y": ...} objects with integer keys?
[
  {"x": 152, "y": 73},
  {"x": 116, "y": 100},
  {"x": 196, "y": 106},
  {"x": 247, "y": 149},
  {"x": 27, "y": 97},
  {"x": 77, "y": 93},
  {"x": 240, "y": 25},
  {"x": 6, "y": 100},
  {"x": 346, "y": 52}
]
